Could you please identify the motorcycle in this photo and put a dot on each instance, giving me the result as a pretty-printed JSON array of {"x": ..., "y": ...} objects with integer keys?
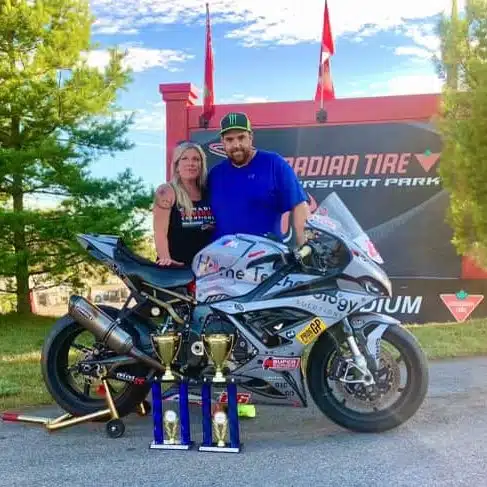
[{"x": 293, "y": 317}]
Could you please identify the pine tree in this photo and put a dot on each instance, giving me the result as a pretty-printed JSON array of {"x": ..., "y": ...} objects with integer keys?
[
  {"x": 57, "y": 116},
  {"x": 463, "y": 126}
]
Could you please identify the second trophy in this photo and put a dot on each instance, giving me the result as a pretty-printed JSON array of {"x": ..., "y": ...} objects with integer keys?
[{"x": 218, "y": 347}]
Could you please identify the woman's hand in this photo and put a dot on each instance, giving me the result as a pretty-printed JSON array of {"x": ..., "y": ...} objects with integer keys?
[{"x": 166, "y": 261}]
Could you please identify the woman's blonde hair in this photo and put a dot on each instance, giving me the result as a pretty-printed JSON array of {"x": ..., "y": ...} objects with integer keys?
[{"x": 182, "y": 196}]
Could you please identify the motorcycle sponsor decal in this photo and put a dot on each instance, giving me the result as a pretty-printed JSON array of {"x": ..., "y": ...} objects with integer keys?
[
  {"x": 257, "y": 253},
  {"x": 461, "y": 305},
  {"x": 290, "y": 334},
  {"x": 256, "y": 274},
  {"x": 130, "y": 378},
  {"x": 230, "y": 243},
  {"x": 283, "y": 363},
  {"x": 312, "y": 331},
  {"x": 285, "y": 389},
  {"x": 321, "y": 215},
  {"x": 216, "y": 297},
  {"x": 206, "y": 265},
  {"x": 341, "y": 304},
  {"x": 242, "y": 397}
]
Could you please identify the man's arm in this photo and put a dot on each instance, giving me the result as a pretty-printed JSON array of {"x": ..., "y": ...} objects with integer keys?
[
  {"x": 300, "y": 214},
  {"x": 293, "y": 198}
]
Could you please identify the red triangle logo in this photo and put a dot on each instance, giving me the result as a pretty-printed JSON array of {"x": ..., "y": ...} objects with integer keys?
[
  {"x": 428, "y": 160},
  {"x": 461, "y": 305}
]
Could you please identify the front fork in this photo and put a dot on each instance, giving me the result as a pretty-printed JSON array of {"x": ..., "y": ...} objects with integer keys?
[{"x": 359, "y": 360}]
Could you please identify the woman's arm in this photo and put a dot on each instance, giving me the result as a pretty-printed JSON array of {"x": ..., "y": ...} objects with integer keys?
[{"x": 161, "y": 212}]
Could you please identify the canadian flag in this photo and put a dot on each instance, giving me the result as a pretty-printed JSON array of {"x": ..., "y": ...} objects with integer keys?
[
  {"x": 209, "y": 95},
  {"x": 324, "y": 88}
]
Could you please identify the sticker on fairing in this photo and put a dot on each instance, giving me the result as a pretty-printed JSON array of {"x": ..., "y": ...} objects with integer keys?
[{"x": 312, "y": 331}]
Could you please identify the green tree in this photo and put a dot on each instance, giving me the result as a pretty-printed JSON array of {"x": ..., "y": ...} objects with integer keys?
[
  {"x": 57, "y": 116},
  {"x": 463, "y": 125}
]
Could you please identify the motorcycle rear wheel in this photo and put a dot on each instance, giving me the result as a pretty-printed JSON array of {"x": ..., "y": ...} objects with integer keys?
[
  {"x": 77, "y": 403},
  {"x": 405, "y": 407}
]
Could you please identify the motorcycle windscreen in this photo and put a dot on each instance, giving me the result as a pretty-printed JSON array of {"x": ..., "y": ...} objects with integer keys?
[{"x": 335, "y": 215}]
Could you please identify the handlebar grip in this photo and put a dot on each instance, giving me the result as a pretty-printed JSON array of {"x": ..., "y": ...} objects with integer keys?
[{"x": 304, "y": 251}]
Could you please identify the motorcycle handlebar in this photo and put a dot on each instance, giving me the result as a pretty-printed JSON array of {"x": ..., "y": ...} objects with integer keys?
[{"x": 304, "y": 251}]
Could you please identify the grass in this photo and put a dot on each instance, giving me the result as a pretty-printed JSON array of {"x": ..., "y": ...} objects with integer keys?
[{"x": 21, "y": 340}]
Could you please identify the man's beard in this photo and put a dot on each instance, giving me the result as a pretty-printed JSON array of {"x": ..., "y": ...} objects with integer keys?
[{"x": 240, "y": 157}]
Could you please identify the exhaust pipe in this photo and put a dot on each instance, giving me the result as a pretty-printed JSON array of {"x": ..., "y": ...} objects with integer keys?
[{"x": 107, "y": 330}]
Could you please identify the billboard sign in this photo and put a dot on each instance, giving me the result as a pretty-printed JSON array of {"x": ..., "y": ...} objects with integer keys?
[{"x": 387, "y": 175}]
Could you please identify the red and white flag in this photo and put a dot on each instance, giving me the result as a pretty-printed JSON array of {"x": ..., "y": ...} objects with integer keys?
[
  {"x": 324, "y": 88},
  {"x": 209, "y": 97}
]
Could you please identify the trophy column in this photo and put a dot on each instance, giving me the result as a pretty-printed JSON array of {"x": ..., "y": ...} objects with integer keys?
[
  {"x": 216, "y": 428},
  {"x": 170, "y": 432}
]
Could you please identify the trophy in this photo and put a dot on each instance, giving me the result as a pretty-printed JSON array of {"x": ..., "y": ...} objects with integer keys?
[
  {"x": 220, "y": 425},
  {"x": 167, "y": 347},
  {"x": 171, "y": 424},
  {"x": 218, "y": 347},
  {"x": 171, "y": 432}
]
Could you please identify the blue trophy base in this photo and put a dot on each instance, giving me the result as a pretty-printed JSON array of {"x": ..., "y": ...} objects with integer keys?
[
  {"x": 169, "y": 446},
  {"x": 222, "y": 449}
]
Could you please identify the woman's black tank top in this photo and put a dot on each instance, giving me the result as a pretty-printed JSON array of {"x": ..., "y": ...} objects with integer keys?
[{"x": 187, "y": 236}]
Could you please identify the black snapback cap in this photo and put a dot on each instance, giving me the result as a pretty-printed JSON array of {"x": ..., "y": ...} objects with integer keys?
[{"x": 235, "y": 121}]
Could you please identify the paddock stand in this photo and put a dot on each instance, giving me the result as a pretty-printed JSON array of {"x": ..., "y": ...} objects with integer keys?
[{"x": 115, "y": 428}]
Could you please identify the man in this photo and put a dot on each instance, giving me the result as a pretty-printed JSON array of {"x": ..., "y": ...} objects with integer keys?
[{"x": 252, "y": 189}]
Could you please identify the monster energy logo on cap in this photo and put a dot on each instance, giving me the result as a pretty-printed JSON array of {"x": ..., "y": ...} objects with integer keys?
[{"x": 235, "y": 121}]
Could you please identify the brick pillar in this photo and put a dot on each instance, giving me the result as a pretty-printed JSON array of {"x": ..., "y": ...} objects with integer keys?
[{"x": 178, "y": 97}]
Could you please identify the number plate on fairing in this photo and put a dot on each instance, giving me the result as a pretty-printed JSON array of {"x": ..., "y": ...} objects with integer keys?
[{"x": 311, "y": 331}]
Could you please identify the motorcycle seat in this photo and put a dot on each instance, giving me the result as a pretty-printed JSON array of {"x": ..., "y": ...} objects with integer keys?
[{"x": 138, "y": 269}]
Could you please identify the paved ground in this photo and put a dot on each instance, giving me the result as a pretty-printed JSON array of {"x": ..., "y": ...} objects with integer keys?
[{"x": 444, "y": 445}]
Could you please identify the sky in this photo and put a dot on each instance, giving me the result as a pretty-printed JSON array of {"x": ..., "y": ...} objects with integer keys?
[{"x": 263, "y": 51}]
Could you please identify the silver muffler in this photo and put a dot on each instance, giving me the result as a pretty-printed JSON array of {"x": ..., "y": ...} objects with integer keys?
[{"x": 107, "y": 330}]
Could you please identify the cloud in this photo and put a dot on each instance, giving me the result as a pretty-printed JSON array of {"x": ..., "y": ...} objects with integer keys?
[
  {"x": 406, "y": 85},
  {"x": 152, "y": 119},
  {"x": 239, "y": 98},
  {"x": 261, "y": 22},
  {"x": 413, "y": 51},
  {"x": 140, "y": 58},
  {"x": 426, "y": 42}
]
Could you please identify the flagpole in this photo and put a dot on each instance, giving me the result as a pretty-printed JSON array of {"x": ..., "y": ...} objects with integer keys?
[
  {"x": 322, "y": 84},
  {"x": 204, "y": 117},
  {"x": 326, "y": 42}
]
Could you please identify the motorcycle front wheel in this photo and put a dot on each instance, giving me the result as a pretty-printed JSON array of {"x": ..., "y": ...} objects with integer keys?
[
  {"x": 72, "y": 391},
  {"x": 394, "y": 399}
]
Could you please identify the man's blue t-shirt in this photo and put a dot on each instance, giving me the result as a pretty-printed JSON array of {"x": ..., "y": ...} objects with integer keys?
[{"x": 251, "y": 199}]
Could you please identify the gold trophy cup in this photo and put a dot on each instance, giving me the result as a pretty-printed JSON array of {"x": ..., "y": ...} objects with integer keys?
[
  {"x": 171, "y": 427},
  {"x": 220, "y": 426},
  {"x": 218, "y": 347},
  {"x": 167, "y": 347}
]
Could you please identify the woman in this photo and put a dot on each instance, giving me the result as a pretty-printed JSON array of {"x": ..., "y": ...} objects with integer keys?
[{"x": 182, "y": 218}]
